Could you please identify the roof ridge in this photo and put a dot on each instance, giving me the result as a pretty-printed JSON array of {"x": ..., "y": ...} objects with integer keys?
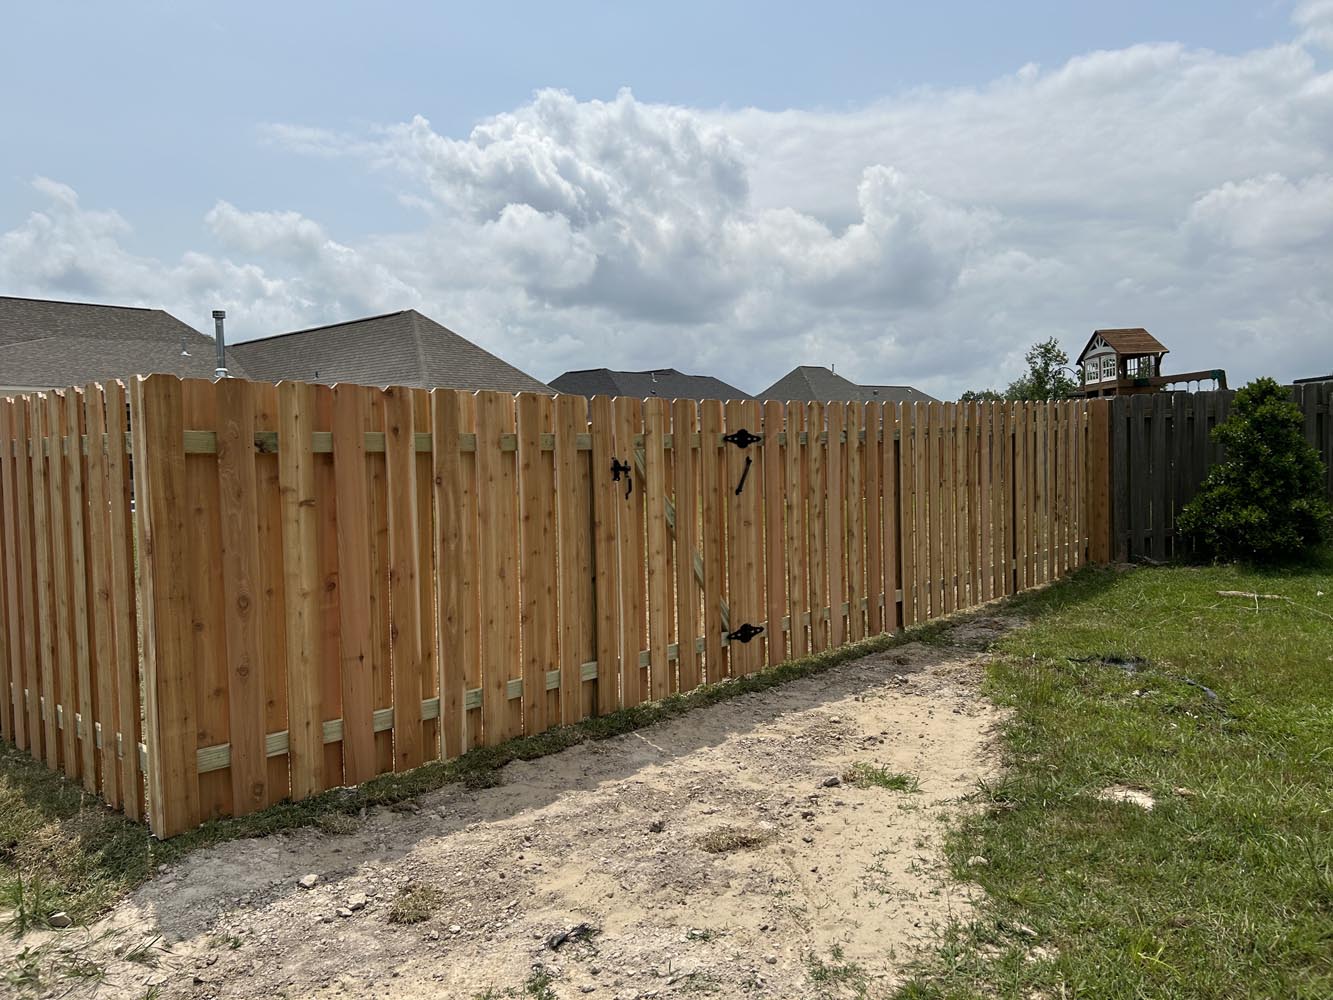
[
  {"x": 325, "y": 326},
  {"x": 89, "y": 305}
]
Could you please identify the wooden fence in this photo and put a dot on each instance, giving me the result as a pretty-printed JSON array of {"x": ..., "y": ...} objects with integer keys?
[
  {"x": 335, "y": 582},
  {"x": 1161, "y": 450}
]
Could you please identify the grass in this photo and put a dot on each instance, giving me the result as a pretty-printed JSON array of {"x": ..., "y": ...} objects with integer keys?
[
  {"x": 415, "y": 904},
  {"x": 1224, "y": 889},
  {"x": 76, "y": 855},
  {"x": 725, "y": 839},
  {"x": 837, "y": 976},
  {"x": 864, "y": 775}
]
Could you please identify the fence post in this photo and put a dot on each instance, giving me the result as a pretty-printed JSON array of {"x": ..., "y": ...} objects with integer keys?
[
  {"x": 1098, "y": 496},
  {"x": 169, "y": 682}
]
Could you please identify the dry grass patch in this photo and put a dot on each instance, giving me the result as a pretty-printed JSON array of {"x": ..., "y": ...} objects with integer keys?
[
  {"x": 725, "y": 839},
  {"x": 415, "y": 904}
]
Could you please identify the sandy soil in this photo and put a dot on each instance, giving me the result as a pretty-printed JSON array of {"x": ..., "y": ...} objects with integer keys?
[{"x": 613, "y": 835}]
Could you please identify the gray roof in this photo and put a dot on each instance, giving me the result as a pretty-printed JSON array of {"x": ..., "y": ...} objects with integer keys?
[
  {"x": 401, "y": 348},
  {"x": 664, "y": 382},
  {"x": 45, "y": 344},
  {"x": 809, "y": 383}
]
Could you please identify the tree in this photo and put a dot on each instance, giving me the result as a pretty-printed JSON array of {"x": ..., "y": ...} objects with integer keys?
[
  {"x": 981, "y": 396},
  {"x": 1045, "y": 378},
  {"x": 1266, "y": 501}
]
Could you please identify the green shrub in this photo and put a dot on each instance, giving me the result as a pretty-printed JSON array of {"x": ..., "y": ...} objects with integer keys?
[{"x": 1266, "y": 501}]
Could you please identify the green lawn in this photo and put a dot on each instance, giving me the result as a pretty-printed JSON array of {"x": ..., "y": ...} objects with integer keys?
[{"x": 1224, "y": 888}]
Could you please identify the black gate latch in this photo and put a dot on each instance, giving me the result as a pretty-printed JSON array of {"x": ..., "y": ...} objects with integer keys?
[
  {"x": 742, "y": 438},
  {"x": 618, "y": 467},
  {"x": 745, "y": 633}
]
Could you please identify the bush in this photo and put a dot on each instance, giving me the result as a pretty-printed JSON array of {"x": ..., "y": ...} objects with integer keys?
[{"x": 1266, "y": 501}]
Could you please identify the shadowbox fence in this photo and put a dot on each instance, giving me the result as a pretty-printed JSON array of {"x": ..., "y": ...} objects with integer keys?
[
  {"x": 1161, "y": 450},
  {"x": 312, "y": 585}
]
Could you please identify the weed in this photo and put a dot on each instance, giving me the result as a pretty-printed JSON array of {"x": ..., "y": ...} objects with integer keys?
[
  {"x": 415, "y": 904},
  {"x": 837, "y": 974},
  {"x": 29, "y": 902},
  {"x": 538, "y": 985},
  {"x": 735, "y": 838},
  {"x": 338, "y": 824},
  {"x": 864, "y": 775},
  {"x": 143, "y": 953}
]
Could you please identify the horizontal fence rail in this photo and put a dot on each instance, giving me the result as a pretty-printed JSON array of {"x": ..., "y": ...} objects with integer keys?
[
  {"x": 338, "y": 582},
  {"x": 1162, "y": 449}
]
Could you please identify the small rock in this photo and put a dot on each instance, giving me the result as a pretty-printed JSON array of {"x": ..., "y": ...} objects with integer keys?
[
  {"x": 434, "y": 935},
  {"x": 587, "y": 988},
  {"x": 808, "y": 839},
  {"x": 1025, "y": 930},
  {"x": 455, "y": 929},
  {"x": 344, "y": 912},
  {"x": 771, "y": 959},
  {"x": 326, "y": 919},
  {"x": 198, "y": 980},
  {"x": 357, "y": 902},
  {"x": 308, "y": 881},
  {"x": 657, "y": 826},
  {"x": 59, "y": 919},
  {"x": 977, "y": 861},
  {"x": 807, "y": 814},
  {"x": 832, "y": 782}
]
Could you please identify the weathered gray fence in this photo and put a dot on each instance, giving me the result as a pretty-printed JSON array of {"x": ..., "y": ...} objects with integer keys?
[{"x": 1161, "y": 449}]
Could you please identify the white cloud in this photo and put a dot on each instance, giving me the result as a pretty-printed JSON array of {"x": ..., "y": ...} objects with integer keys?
[{"x": 927, "y": 238}]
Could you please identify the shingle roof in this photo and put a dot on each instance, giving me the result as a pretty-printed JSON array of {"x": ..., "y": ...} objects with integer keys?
[
  {"x": 45, "y": 344},
  {"x": 809, "y": 383},
  {"x": 664, "y": 382},
  {"x": 1127, "y": 340},
  {"x": 401, "y": 348}
]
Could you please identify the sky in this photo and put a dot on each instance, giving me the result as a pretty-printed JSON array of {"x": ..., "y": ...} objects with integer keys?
[{"x": 914, "y": 193}]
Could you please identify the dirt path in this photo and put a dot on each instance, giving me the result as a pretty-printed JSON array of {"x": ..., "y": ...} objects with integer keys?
[{"x": 712, "y": 854}]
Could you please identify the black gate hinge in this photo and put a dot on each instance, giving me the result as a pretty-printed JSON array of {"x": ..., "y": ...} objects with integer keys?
[
  {"x": 745, "y": 633},
  {"x": 742, "y": 438}
]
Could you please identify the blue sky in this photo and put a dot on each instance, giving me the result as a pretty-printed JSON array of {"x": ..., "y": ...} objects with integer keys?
[{"x": 838, "y": 182}]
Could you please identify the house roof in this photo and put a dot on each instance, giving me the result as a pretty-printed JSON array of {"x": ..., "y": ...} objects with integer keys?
[
  {"x": 46, "y": 344},
  {"x": 1314, "y": 378},
  {"x": 400, "y": 348},
  {"x": 667, "y": 383},
  {"x": 808, "y": 383},
  {"x": 1128, "y": 340}
]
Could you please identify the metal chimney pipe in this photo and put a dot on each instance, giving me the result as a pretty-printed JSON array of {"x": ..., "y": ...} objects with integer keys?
[{"x": 220, "y": 338}]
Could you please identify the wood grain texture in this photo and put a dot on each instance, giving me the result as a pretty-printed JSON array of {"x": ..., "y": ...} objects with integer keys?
[
  {"x": 575, "y": 559},
  {"x": 660, "y": 582},
  {"x": 836, "y": 539},
  {"x": 854, "y": 460},
  {"x": 797, "y": 529},
  {"x": 238, "y": 494},
  {"x": 355, "y": 610},
  {"x": 685, "y": 456},
  {"x": 772, "y": 453},
  {"x": 300, "y": 527},
  {"x": 169, "y": 683},
  {"x": 453, "y": 607},
  {"x": 713, "y": 540},
  {"x": 497, "y": 515},
  {"x": 606, "y": 554},
  {"x": 404, "y": 571}
]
